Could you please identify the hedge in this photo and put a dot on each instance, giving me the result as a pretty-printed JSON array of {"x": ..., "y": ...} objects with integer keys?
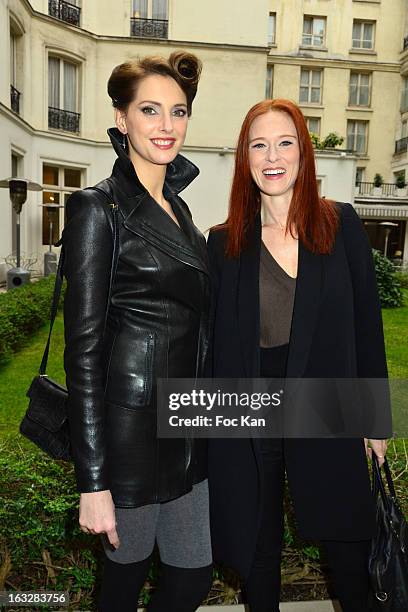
[
  {"x": 23, "y": 310},
  {"x": 389, "y": 286}
]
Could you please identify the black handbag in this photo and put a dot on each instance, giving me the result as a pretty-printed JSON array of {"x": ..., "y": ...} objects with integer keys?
[
  {"x": 46, "y": 420},
  {"x": 388, "y": 558}
]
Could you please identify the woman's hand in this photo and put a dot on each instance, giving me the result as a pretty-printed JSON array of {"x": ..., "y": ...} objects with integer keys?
[
  {"x": 378, "y": 446},
  {"x": 97, "y": 515}
]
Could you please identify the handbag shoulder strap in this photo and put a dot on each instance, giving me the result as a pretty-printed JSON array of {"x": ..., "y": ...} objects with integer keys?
[
  {"x": 378, "y": 483},
  {"x": 60, "y": 272}
]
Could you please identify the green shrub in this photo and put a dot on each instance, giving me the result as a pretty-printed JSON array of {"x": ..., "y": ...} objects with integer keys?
[
  {"x": 389, "y": 287},
  {"x": 402, "y": 278},
  {"x": 22, "y": 311}
]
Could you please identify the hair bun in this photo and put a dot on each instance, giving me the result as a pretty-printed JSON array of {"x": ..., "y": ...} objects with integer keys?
[{"x": 187, "y": 65}]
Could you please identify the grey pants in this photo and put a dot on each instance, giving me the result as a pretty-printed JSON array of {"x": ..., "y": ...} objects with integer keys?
[{"x": 180, "y": 527}]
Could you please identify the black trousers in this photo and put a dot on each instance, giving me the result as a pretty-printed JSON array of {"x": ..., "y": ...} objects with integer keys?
[{"x": 347, "y": 561}]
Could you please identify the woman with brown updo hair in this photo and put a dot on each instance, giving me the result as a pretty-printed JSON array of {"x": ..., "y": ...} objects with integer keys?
[{"x": 136, "y": 309}]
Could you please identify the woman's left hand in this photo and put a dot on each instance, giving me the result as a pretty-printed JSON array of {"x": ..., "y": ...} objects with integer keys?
[{"x": 378, "y": 446}]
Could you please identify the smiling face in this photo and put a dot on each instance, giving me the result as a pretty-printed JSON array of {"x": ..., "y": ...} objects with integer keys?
[
  {"x": 155, "y": 121},
  {"x": 274, "y": 154}
]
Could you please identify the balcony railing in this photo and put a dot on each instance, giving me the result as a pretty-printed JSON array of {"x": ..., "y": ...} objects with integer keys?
[
  {"x": 15, "y": 99},
  {"x": 387, "y": 190},
  {"x": 401, "y": 145},
  {"x": 405, "y": 42},
  {"x": 149, "y": 28},
  {"x": 59, "y": 119},
  {"x": 64, "y": 11}
]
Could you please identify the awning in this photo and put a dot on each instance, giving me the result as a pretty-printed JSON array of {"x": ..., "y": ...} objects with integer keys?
[{"x": 381, "y": 211}]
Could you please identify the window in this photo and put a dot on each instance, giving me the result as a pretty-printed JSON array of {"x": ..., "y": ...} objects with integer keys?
[
  {"x": 272, "y": 29},
  {"x": 58, "y": 184},
  {"x": 149, "y": 9},
  {"x": 359, "y": 175},
  {"x": 357, "y": 136},
  {"x": 69, "y": 12},
  {"x": 16, "y": 66},
  {"x": 363, "y": 34},
  {"x": 404, "y": 95},
  {"x": 404, "y": 131},
  {"x": 313, "y": 125},
  {"x": 269, "y": 83},
  {"x": 314, "y": 30},
  {"x": 310, "y": 86},
  {"x": 62, "y": 95},
  {"x": 360, "y": 89},
  {"x": 149, "y": 19}
]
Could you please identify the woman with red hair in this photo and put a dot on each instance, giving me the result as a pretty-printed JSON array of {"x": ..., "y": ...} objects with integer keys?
[{"x": 296, "y": 297}]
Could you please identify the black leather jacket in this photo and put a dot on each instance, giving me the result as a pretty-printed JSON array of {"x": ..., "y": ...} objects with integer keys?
[{"x": 156, "y": 327}]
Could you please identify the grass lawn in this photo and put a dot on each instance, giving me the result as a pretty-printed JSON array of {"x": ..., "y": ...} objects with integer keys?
[
  {"x": 396, "y": 339},
  {"x": 16, "y": 376}
]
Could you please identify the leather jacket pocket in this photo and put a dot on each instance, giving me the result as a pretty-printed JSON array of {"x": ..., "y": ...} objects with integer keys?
[{"x": 130, "y": 372}]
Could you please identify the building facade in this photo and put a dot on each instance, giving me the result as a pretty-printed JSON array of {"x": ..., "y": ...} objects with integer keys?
[
  {"x": 341, "y": 60},
  {"x": 345, "y": 62}
]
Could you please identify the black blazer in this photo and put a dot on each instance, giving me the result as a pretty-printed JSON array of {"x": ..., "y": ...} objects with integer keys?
[
  {"x": 157, "y": 325},
  {"x": 336, "y": 332}
]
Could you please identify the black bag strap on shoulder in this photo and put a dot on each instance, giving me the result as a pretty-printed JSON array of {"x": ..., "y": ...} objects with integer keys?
[{"x": 60, "y": 270}]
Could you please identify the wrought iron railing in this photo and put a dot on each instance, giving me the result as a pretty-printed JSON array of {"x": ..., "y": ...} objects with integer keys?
[
  {"x": 388, "y": 190},
  {"x": 15, "y": 99},
  {"x": 405, "y": 46},
  {"x": 64, "y": 11},
  {"x": 149, "y": 28},
  {"x": 59, "y": 119},
  {"x": 401, "y": 145}
]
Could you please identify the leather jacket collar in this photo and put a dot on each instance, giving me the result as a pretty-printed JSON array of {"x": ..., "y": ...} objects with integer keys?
[{"x": 180, "y": 172}]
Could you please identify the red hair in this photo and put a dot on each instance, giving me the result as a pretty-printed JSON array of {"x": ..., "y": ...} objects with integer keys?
[{"x": 314, "y": 218}]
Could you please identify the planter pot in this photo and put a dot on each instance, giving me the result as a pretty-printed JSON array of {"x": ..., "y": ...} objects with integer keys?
[
  {"x": 401, "y": 192},
  {"x": 377, "y": 191}
]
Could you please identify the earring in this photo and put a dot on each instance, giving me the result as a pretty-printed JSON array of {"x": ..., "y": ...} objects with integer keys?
[{"x": 124, "y": 142}]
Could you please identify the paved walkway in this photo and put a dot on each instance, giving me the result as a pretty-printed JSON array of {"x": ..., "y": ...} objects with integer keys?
[{"x": 298, "y": 606}]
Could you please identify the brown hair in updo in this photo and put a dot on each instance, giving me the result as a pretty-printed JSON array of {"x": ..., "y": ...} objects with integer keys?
[{"x": 184, "y": 68}]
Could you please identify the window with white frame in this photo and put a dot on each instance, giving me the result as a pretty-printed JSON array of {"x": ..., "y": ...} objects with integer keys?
[
  {"x": 272, "y": 29},
  {"x": 357, "y": 132},
  {"x": 359, "y": 175},
  {"x": 16, "y": 66},
  {"x": 360, "y": 89},
  {"x": 363, "y": 34},
  {"x": 313, "y": 125},
  {"x": 62, "y": 84},
  {"x": 13, "y": 59},
  {"x": 63, "y": 101},
  {"x": 269, "y": 83},
  {"x": 58, "y": 182},
  {"x": 314, "y": 31},
  {"x": 310, "y": 86},
  {"x": 150, "y": 9},
  {"x": 404, "y": 95}
]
